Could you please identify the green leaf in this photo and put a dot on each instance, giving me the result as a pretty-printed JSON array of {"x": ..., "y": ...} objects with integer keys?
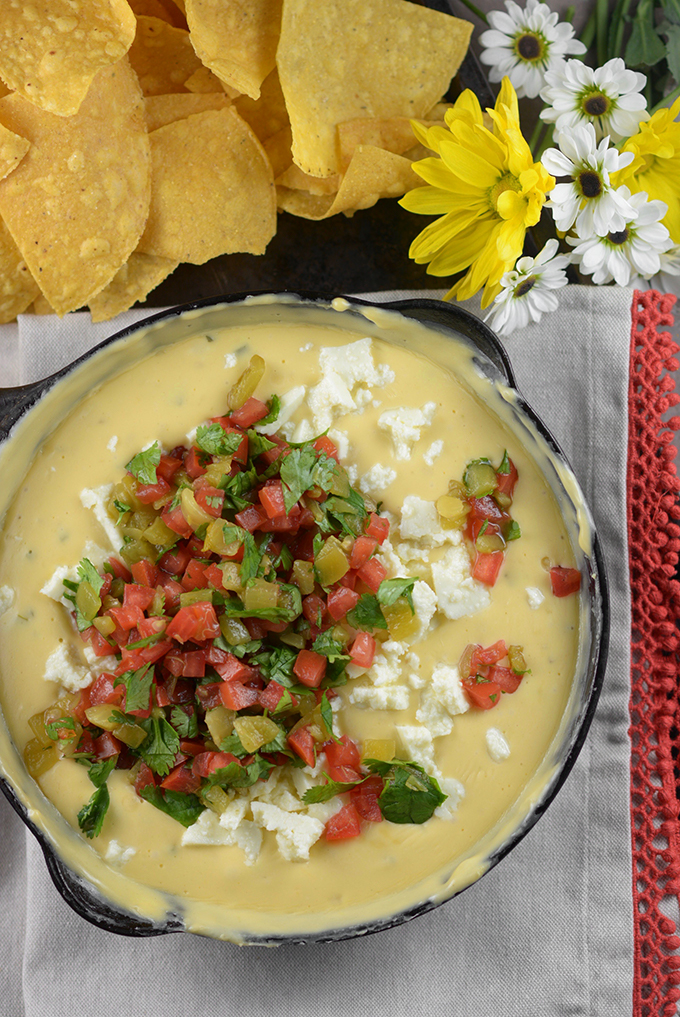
[
  {"x": 122, "y": 509},
  {"x": 99, "y": 772},
  {"x": 252, "y": 556},
  {"x": 52, "y": 729},
  {"x": 91, "y": 816},
  {"x": 277, "y": 664},
  {"x": 258, "y": 443},
  {"x": 367, "y": 614},
  {"x": 184, "y": 808},
  {"x": 390, "y": 591},
  {"x": 232, "y": 743},
  {"x": 329, "y": 647},
  {"x": 159, "y": 748},
  {"x": 326, "y": 711},
  {"x": 644, "y": 48},
  {"x": 512, "y": 531},
  {"x": 504, "y": 468},
  {"x": 274, "y": 405},
  {"x": 89, "y": 574},
  {"x": 137, "y": 687},
  {"x": 236, "y": 775},
  {"x": 673, "y": 49},
  {"x": 151, "y": 640},
  {"x": 410, "y": 795},
  {"x": 303, "y": 469},
  {"x": 671, "y": 9},
  {"x": 348, "y": 513},
  {"x": 185, "y": 724},
  {"x": 324, "y": 792},
  {"x": 143, "y": 465},
  {"x": 213, "y": 439}
]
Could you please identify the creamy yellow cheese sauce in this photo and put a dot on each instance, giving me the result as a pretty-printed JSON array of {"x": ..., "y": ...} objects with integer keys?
[{"x": 166, "y": 391}]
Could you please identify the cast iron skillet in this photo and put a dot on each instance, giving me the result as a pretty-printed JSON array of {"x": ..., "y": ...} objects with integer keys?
[{"x": 492, "y": 358}]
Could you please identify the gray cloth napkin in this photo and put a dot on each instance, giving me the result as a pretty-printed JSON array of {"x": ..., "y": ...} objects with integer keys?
[{"x": 547, "y": 932}]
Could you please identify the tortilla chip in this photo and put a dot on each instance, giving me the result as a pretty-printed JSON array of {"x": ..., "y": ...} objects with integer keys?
[
  {"x": 236, "y": 39},
  {"x": 162, "y": 57},
  {"x": 165, "y": 109},
  {"x": 203, "y": 81},
  {"x": 278, "y": 151},
  {"x": 132, "y": 282},
  {"x": 166, "y": 10},
  {"x": 12, "y": 150},
  {"x": 77, "y": 203},
  {"x": 41, "y": 305},
  {"x": 18, "y": 288},
  {"x": 181, "y": 5},
  {"x": 394, "y": 134},
  {"x": 373, "y": 174},
  {"x": 397, "y": 60},
  {"x": 212, "y": 190},
  {"x": 268, "y": 114},
  {"x": 296, "y": 180},
  {"x": 50, "y": 50}
]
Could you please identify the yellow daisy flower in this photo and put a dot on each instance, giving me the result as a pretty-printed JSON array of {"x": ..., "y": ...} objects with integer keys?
[
  {"x": 656, "y": 166},
  {"x": 487, "y": 189}
]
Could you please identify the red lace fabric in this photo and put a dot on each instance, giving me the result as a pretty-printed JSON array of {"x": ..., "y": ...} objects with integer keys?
[{"x": 654, "y": 544}]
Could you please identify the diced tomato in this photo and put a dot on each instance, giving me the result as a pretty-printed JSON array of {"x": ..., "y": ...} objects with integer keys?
[
  {"x": 106, "y": 745},
  {"x": 564, "y": 581},
  {"x": 174, "y": 690},
  {"x": 327, "y": 446},
  {"x": 372, "y": 573},
  {"x": 251, "y": 411},
  {"x": 102, "y": 690},
  {"x": 314, "y": 609},
  {"x": 145, "y": 778},
  {"x": 133, "y": 659},
  {"x": 310, "y": 668},
  {"x": 196, "y": 462},
  {"x": 365, "y": 798},
  {"x": 210, "y": 695},
  {"x": 362, "y": 650},
  {"x": 174, "y": 562},
  {"x": 227, "y": 424},
  {"x": 192, "y": 746},
  {"x": 363, "y": 548},
  {"x": 175, "y": 521},
  {"x": 229, "y": 667},
  {"x": 182, "y": 779},
  {"x": 342, "y": 753},
  {"x": 349, "y": 580},
  {"x": 168, "y": 467},
  {"x": 194, "y": 576},
  {"x": 271, "y": 696},
  {"x": 214, "y": 576},
  {"x": 236, "y": 696},
  {"x": 85, "y": 742},
  {"x": 207, "y": 762},
  {"x": 171, "y": 591},
  {"x": 195, "y": 621},
  {"x": 211, "y": 500},
  {"x": 484, "y": 694},
  {"x": 507, "y": 481},
  {"x": 303, "y": 745},
  {"x": 487, "y": 567},
  {"x": 491, "y": 655},
  {"x": 303, "y": 547},
  {"x": 378, "y": 527},
  {"x": 194, "y": 664},
  {"x": 344, "y": 824},
  {"x": 138, "y": 596},
  {"x": 127, "y": 616},
  {"x": 144, "y": 573},
  {"x": 271, "y": 455},
  {"x": 505, "y": 678},
  {"x": 256, "y": 627},
  {"x": 251, "y": 518},
  {"x": 147, "y": 493},
  {"x": 119, "y": 570},
  {"x": 99, "y": 643},
  {"x": 340, "y": 601}
]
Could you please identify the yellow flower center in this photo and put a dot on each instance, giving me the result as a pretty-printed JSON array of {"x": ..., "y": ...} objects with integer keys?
[{"x": 508, "y": 182}]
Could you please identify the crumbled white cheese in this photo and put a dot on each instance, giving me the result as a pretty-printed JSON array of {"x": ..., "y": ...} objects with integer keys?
[
  {"x": 455, "y": 791},
  {"x": 209, "y": 831},
  {"x": 111, "y": 446},
  {"x": 304, "y": 778},
  {"x": 391, "y": 697},
  {"x": 290, "y": 402},
  {"x": 404, "y": 425},
  {"x": 98, "y": 665},
  {"x": 229, "y": 361},
  {"x": 496, "y": 744},
  {"x": 295, "y": 834},
  {"x": 534, "y": 597},
  {"x": 63, "y": 666},
  {"x": 355, "y": 365},
  {"x": 96, "y": 499},
  {"x": 306, "y": 347},
  {"x": 385, "y": 670},
  {"x": 420, "y": 522},
  {"x": 116, "y": 854},
  {"x": 304, "y": 432},
  {"x": 425, "y": 605},
  {"x": 433, "y": 452},
  {"x": 341, "y": 441},
  {"x": 329, "y": 399},
  {"x": 447, "y": 689},
  {"x": 433, "y": 716},
  {"x": 324, "y": 810},
  {"x": 458, "y": 594},
  {"x": 376, "y": 480},
  {"x": 54, "y": 587},
  {"x": 234, "y": 813},
  {"x": 191, "y": 436},
  {"x": 418, "y": 746},
  {"x": 6, "y": 598}
]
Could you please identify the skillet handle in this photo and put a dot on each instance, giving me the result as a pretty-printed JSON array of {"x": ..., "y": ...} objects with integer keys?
[{"x": 13, "y": 402}]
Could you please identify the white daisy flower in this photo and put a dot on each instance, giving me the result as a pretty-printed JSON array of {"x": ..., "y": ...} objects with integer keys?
[
  {"x": 588, "y": 200},
  {"x": 666, "y": 279},
  {"x": 607, "y": 97},
  {"x": 637, "y": 248},
  {"x": 524, "y": 43},
  {"x": 527, "y": 290}
]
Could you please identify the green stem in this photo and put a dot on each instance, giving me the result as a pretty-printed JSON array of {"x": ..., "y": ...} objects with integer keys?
[
  {"x": 546, "y": 143},
  {"x": 536, "y": 134},
  {"x": 569, "y": 14},
  {"x": 618, "y": 28},
  {"x": 475, "y": 10},
  {"x": 667, "y": 100},
  {"x": 588, "y": 33},
  {"x": 602, "y": 18}
]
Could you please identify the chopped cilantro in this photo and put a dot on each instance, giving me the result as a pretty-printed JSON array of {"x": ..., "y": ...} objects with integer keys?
[
  {"x": 161, "y": 745},
  {"x": 53, "y": 729},
  {"x": 305, "y": 468},
  {"x": 410, "y": 795},
  {"x": 137, "y": 687},
  {"x": 329, "y": 647},
  {"x": 512, "y": 530},
  {"x": 185, "y": 724},
  {"x": 390, "y": 591},
  {"x": 505, "y": 464},
  {"x": 122, "y": 509},
  {"x": 367, "y": 614},
  {"x": 252, "y": 556},
  {"x": 143, "y": 465},
  {"x": 236, "y": 775},
  {"x": 99, "y": 772},
  {"x": 324, "y": 792},
  {"x": 91, "y": 816},
  {"x": 274, "y": 407},
  {"x": 213, "y": 439},
  {"x": 326, "y": 711},
  {"x": 184, "y": 808},
  {"x": 258, "y": 443}
]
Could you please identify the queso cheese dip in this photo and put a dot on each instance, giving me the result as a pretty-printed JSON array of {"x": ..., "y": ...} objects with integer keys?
[{"x": 264, "y": 858}]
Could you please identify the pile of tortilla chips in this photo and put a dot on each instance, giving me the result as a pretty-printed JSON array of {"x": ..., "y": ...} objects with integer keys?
[{"x": 138, "y": 134}]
